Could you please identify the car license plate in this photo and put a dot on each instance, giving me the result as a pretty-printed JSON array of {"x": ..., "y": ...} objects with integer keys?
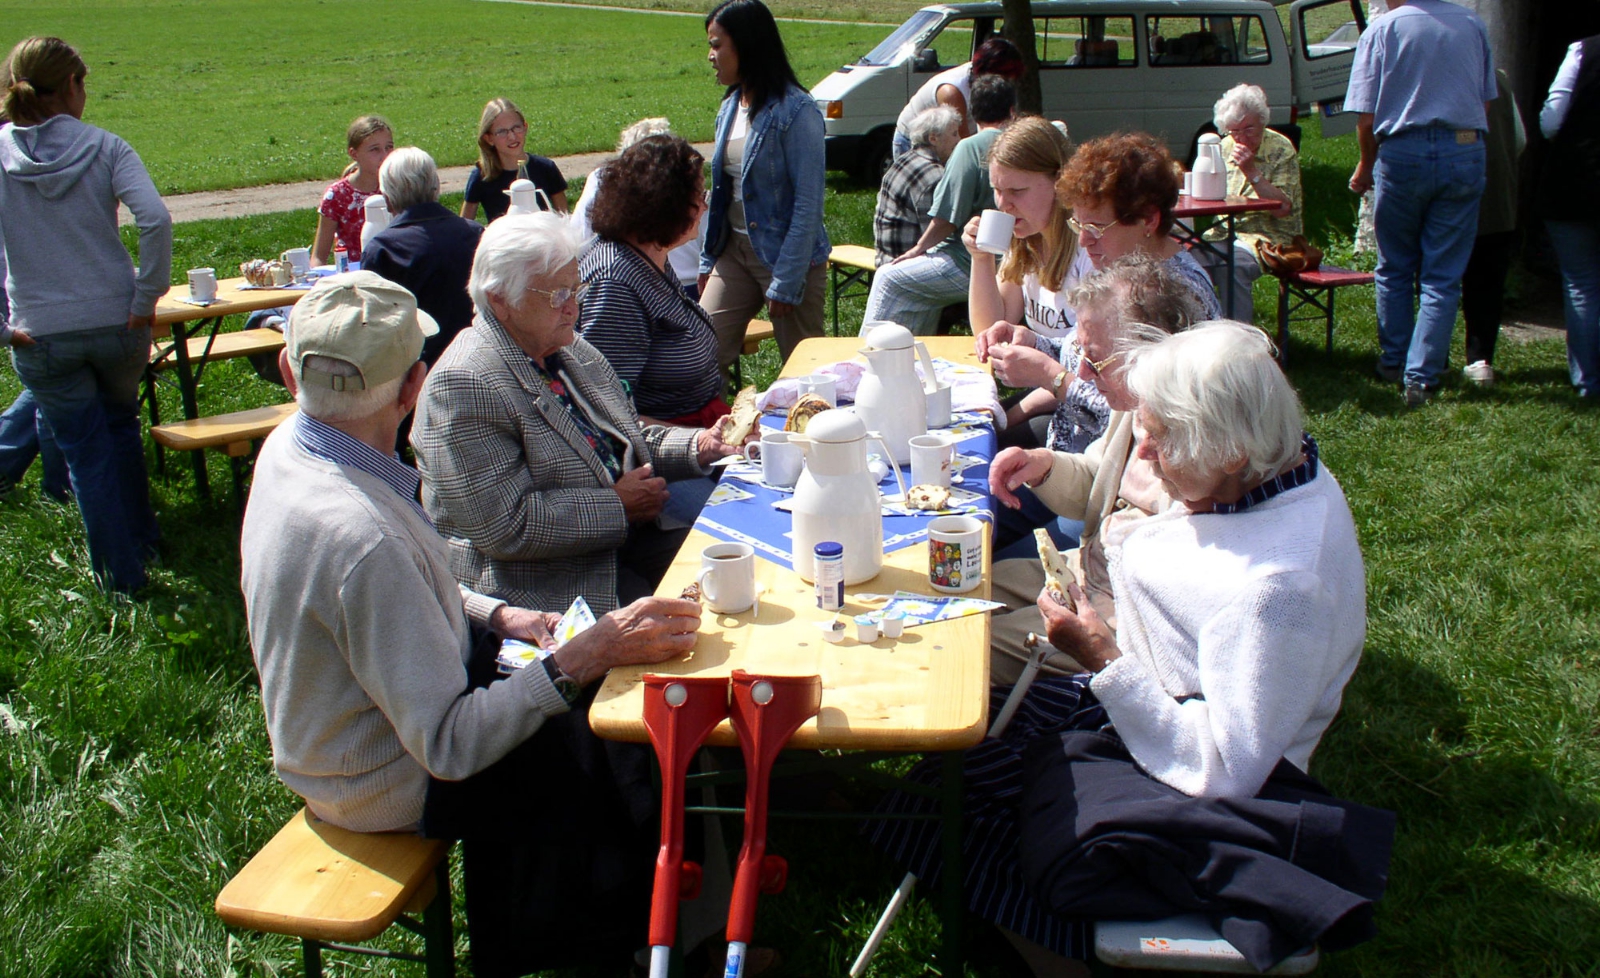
[{"x": 1331, "y": 109}]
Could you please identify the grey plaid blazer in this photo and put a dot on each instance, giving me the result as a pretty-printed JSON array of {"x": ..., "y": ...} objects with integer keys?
[{"x": 512, "y": 483}]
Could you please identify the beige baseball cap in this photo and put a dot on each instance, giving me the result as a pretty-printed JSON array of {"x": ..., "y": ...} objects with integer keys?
[{"x": 363, "y": 319}]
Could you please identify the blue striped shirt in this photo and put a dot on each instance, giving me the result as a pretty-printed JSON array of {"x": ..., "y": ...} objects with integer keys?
[{"x": 326, "y": 442}]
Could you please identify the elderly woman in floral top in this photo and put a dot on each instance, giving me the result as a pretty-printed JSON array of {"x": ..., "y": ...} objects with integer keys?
[{"x": 1262, "y": 164}]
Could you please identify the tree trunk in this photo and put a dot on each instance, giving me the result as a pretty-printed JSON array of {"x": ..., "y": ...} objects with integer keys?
[{"x": 1019, "y": 31}]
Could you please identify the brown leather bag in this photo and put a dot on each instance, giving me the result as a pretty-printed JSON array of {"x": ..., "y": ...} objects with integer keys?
[{"x": 1299, "y": 255}]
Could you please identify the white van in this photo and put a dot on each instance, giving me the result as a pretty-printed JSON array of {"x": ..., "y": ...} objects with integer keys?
[{"x": 1109, "y": 65}]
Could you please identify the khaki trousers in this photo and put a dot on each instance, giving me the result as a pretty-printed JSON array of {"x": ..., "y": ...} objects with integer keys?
[{"x": 738, "y": 288}]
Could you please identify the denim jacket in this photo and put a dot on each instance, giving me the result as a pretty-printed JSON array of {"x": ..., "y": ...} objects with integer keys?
[{"x": 784, "y": 176}]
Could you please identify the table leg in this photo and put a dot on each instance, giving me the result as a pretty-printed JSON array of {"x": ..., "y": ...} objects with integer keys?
[
  {"x": 952, "y": 899},
  {"x": 1228, "y": 257},
  {"x": 191, "y": 404}
]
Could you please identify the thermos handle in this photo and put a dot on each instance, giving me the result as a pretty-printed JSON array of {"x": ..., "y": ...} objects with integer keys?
[
  {"x": 888, "y": 457},
  {"x": 930, "y": 380}
]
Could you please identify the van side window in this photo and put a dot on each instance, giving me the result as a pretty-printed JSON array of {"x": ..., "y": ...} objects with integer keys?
[
  {"x": 1085, "y": 42},
  {"x": 1214, "y": 40}
]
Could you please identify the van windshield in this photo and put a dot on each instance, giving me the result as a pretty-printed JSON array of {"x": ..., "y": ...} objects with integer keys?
[{"x": 902, "y": 42}]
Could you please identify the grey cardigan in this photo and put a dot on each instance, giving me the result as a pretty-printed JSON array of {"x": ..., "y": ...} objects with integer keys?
[
  {"x": 510, "y": 480},
  {"x": 361, "y": 638}
]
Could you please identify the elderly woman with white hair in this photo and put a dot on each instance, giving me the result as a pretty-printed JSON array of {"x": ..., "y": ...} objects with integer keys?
[
  {"x": 1264, "y": 164},
  {"x": 534, "y": 465},
  {"x": 1241, "y": 614},
  {"x": 907, "y": 189},
  {"x": 425, "y": 248}
]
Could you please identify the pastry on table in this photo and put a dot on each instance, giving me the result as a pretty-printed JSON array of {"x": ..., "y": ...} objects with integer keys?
[
  {"x": 927, "y": 497},
  {"x": 808, "y": 407}
]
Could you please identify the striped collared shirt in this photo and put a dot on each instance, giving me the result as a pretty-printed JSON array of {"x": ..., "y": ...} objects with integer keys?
[
  {"x": 1297, "y": 476},
  {"x": 329, "y": 443}
]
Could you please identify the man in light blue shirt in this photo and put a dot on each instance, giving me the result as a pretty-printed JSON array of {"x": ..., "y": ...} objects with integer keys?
[{"x": 1421, "y": 78}]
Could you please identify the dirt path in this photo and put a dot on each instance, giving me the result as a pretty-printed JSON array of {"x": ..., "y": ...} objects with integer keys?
[{"x": 276, "y": 197}]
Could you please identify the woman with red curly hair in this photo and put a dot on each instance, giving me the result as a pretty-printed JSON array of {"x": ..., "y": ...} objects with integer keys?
[{"x": 1121, "y": 190}]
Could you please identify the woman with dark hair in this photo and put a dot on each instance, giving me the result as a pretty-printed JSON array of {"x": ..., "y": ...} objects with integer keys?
[
  {"x": 81, "y": 313},
  {"x": 1121, "y": 190},
  {"x": 657, "y": 340},
  {"x": 765, "y": 242},
  {"x": 953, "y": 87}
]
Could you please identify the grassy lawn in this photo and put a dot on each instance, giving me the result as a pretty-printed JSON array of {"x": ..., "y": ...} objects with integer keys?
[
  {"x": 135, "y": 774},
  {"x": 235, "y": 93}
]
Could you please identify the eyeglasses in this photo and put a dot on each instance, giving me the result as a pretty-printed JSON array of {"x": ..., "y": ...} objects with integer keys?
[
  {"x": 515, "y": 130},
  {"x": 1095, "y": 366},
  {"x": 559, "y": 297},
  {"x": 1236, "y": 131},
  {"x": 1095, "y": 231}
]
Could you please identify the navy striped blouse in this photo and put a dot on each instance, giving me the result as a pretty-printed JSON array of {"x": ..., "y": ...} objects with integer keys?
[{"x": 657, "y": 339}]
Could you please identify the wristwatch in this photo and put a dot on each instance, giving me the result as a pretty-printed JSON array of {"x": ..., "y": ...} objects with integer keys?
[
  {"x": 1059, "y": 384},
  {"x": 564, "y": 684}
]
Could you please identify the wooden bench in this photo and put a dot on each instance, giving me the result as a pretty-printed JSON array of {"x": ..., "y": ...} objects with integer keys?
[
  {"x": 331, "y": 887},
  {"x": 1182, "y": 943},
  {"x": 235, "y": 435},
  {"x": 1315, "y": 289},
  {"x": 754, "y": 332},
  {"x": 850, "y": 265},
  {"x": 201, "y": 350}
]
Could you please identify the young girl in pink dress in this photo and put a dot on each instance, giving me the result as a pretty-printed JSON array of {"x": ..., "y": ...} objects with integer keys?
[{"x": 341, "y": 214}]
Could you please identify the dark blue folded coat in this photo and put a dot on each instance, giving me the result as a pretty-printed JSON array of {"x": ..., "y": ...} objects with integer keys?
[{"x": 1293, "y": 866}]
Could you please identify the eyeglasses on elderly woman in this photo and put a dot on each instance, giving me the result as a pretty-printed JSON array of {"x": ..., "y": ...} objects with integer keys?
[
  {"x": 1095, "y": 231},
  {"x": 559, "y": 297},
  {"x": 1095, "y": 366}
]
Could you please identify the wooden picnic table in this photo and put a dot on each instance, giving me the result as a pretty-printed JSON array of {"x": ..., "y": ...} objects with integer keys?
[
  {"x": 179, "y": 322},
  {"x": 927, "y": 691},
  {"x": 1224, "y": 210}
]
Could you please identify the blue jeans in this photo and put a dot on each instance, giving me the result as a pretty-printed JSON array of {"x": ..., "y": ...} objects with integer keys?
[
  {"x": 24, "y": 436},
  {"x": 87, "y": 386},
  {"x": 914, "y": 292},
  {"x": 1426, "y": 218},
  {"x": 1013, "y": 528},
  {"x": 1577, "y": 245}
]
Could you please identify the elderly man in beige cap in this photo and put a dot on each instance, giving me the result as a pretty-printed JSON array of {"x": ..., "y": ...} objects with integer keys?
[{"x": 363, "y": 639}]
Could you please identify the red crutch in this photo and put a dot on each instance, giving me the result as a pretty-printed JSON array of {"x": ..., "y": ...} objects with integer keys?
[
  {"x": 767, "y": 710},
  {"x": 680, "y": 712}
]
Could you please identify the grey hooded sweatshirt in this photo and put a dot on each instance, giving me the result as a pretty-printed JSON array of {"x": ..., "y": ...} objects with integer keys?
[{"x": 60, "y": 182}]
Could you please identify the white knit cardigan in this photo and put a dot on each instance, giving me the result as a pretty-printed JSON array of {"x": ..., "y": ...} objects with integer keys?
[{"x": 1238, "y": 633}]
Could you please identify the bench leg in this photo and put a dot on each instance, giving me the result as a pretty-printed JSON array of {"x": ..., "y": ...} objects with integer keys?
[
  {"x": 1329, "y": 349},
  {"x": 439, "y": 941},
  {"x": 1283, "y": 323},
  {"x": 311, "y": 952}
]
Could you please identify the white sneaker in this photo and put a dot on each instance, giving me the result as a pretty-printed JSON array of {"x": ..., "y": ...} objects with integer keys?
[{"x": 1479, "y": 372}]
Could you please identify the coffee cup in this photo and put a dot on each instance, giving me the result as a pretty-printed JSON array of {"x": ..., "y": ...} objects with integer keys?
[
  {"x": 728, "y": 577},
  {"x": 994, "y": 231},
  {"x": 1188, "y": 184},
  {"x": 299, "y": 260},
  {"x": 939, "y": 406},
  {"x": 202, "y": 284},
  {"x": 821, "y": 385},
  {"x": 781, "y": 459},
  {"x": 931, "y": 459},
  {"x": 955, "y": 553}
]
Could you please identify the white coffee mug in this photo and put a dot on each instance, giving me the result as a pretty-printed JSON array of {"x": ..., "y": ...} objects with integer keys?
[
  {"x": 781, "y": 459},
  {"x": 939, "y": 406},
  {"x": 821, "y": 385},
  {"x": 994, "y": 231},
  {"x": 728, "y": 577},
  {"x": 300, "y": 258},
  {"x": 202, "y": 284},
  {"x": 931, "y": 459},
  {"x": 955, "y": 553},
  {"x": 1188, "y": 183}
]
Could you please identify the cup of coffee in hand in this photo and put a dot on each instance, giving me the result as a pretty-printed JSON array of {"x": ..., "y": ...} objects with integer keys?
[{"x": 994, "y": 231}]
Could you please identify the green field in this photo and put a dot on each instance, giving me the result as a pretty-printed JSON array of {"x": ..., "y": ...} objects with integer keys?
[
  {"x": 238, "y": 93},
  {"x": 135, "y": 773}
]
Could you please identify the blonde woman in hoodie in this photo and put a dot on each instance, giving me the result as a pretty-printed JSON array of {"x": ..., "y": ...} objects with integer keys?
[{"x": 80, "y": 315}]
